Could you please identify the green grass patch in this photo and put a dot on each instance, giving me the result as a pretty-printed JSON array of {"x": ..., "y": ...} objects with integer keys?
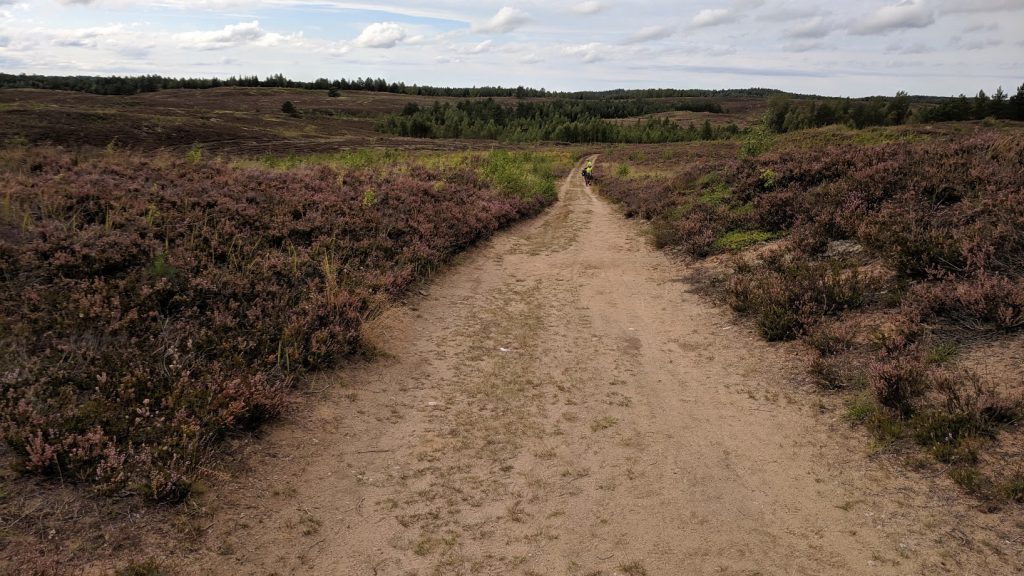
[
  {"x": 357, "y": 159},
  {"x": 943, "y": 353},
  {"x": 740, "y": 239},
  {"x": 1014, "y": 488},
  {"x": 860, "y": 408},
  {"x": 523, "y": 174}
]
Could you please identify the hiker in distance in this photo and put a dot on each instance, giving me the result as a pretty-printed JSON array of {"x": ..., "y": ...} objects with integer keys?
[{"x": 588, "y": 173}]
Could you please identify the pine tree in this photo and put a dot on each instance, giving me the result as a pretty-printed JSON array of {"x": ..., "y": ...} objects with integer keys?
[
  {"x": 1017, "y": 104},
  {"x": 998, "y": 105},
  {"x": 981, "y": 105}
]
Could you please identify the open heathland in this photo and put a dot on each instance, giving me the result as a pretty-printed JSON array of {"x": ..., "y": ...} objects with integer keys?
[
  {"x": 225, "y": 347},
  {"x": 151, "y": 305},
  {"x": 895, "y": 258}
]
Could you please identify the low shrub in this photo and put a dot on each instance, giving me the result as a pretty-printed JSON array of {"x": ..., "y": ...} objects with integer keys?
[
  {"x": 831, "y": 338},
  {"x": 787, "y": 292},
  {"x": 898, "y": 383}
]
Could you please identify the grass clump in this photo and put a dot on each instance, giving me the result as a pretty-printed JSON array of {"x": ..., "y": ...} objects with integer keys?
[{"x": 740, "y": 239}]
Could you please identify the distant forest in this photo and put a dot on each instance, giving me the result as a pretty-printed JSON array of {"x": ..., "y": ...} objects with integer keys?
[
  {"x": 127, "y": 85},
  {"x": 563, "y": 120},
  {"x": 580, "y": 116},
  {"x": 786, "y": 115}
]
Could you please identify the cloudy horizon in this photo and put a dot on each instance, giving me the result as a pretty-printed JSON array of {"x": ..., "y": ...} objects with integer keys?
[{"x": 935, "y": 47}]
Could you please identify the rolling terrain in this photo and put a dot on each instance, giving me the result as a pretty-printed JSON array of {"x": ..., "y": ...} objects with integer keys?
[{"x": 528, "y": 386}]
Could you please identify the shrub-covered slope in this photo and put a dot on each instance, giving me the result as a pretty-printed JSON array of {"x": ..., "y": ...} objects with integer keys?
[{"x": 149, "y": 306}]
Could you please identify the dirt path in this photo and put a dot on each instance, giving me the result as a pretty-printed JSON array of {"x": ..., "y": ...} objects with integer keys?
[{"x": 560, "y": 404}]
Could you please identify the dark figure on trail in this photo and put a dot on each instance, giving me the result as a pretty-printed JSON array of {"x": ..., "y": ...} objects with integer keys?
[{"x": 588, "y": 173}]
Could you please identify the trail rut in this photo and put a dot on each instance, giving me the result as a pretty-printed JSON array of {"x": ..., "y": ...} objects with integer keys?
[{"x": 560, "y": 403}]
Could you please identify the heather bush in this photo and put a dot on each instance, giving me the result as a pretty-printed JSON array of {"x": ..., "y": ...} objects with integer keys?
[
  {"x": 981, "y": 302},
  {"x": 898, "y": 382},
  {"x": 788, "y": 291},
  {"x": 149, "y": 306},
  {"x": 921, "y": 233},
  {"x": 831, "y": 338}
]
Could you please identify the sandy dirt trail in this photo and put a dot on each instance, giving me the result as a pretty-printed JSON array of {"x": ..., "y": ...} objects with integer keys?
[{"x": 560, "y": 404}]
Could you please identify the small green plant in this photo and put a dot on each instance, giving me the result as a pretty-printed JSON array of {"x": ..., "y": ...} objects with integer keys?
[
  {"x": 1014, "y": 488},
  {"x": 194, "y": 154},
  {"x": 369, "y": 197},
  {"x": 943, "y": 353},
  {"x": 757, "y": 141},
  {"x": 860, "y": 409},
  {"x": 740, "y": 239},
  {"x": 159, "y": 267},
  {"x": 971, "y": 480},
  {"x": 622, "y": 171},
  {"x": 885, "y": 428},
  {"x": 830, "y": 339},
  {"x": 829, "y": 372},
  {"x": 768, "y": 179},
  {"x": 776, "y": 323},
  {"x": 152, "y": 214},
  {"x": 289, "y": 108}
]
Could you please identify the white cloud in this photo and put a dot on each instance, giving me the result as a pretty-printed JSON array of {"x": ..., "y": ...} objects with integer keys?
[
  {"x": 993, "y": 27},
  {"x": 587, "y": 53},
  {"x": 915, "y": 48},
  {"x": 227, "y": 37},
  {"x": 816, "y": 27},
  {"x": 480, "y": 48},
  {"x": 336, "y": 48},
  {"x": 713, "y": 17},
  {"x": 650, "y": 34},
  {"x": 979, "y": 44},
  {"x": 789, "y": 12},
  {"x": 802, "y": 47},
  {"x": 84, "y": 37},
  {"x": 506, "y": 20},
  {"x": 531, "y": 58},
  {"x": 588, "y": 8},
  {"x": 717, "y": 16},
  {"x": 381, "y": 35},
  {"x": 905, "y": 14},
  {"x": 955, "y": 6}
]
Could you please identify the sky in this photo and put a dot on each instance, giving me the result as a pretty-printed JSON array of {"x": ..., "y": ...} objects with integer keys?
[{"x": 855, "y": 48}]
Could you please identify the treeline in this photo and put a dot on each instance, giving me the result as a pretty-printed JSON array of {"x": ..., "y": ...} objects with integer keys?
[
  {"x": 557, "y": 120},
  {"x": 624, "y": 94},
  {"x": 127, "y": 85},
  {"x": 786, "y": 114},
  {"x": 982, "y": 106}
]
